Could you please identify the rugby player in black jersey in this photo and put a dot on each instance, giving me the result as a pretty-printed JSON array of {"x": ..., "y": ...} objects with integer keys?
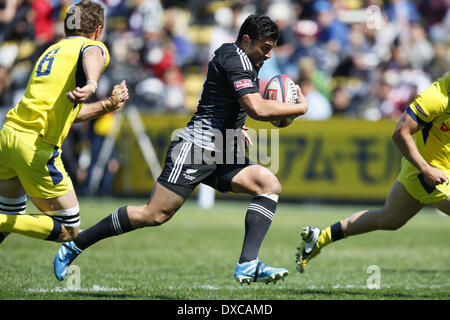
[{"x": 203, "y": 152}]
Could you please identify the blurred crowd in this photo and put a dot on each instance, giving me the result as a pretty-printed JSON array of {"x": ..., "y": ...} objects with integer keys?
[
  {"x": 353, "y": 58},
  {"x": 358, "y": 58}
]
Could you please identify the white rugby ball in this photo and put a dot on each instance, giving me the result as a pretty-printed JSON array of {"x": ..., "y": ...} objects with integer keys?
[{"x": 281, "y": 88}]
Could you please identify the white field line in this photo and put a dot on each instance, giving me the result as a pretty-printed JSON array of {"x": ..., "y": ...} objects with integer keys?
[
  {"x": 94, "y": 288},
  {"x": 311, "y": 287}
]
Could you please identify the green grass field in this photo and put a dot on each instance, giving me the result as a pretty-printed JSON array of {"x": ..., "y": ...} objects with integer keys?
[{"x": 194, "y": 256}]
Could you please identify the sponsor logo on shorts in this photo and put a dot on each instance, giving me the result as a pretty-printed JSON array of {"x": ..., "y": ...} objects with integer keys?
[
  {"x": 188, "y": 177},
  {"x": 241, "y": 84},
  {"x": 188, "y": 174}
]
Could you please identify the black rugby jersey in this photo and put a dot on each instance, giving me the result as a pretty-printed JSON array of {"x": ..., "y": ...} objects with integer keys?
[{"x": 230, "y": 76}]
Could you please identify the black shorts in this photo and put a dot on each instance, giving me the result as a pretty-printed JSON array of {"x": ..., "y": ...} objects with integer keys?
[{"x": 187, "y": 165}]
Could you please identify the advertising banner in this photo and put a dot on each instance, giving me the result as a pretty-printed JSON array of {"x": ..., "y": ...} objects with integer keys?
[{"x": 337, "y": 159}]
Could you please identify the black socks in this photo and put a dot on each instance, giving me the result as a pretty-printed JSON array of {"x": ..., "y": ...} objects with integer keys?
[
  {"x": 113, "y": 225},
  {"x": 259, "y": 217}
]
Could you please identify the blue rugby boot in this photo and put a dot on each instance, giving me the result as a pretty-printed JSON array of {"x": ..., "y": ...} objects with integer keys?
[
  {"x": 256, "y": 271},
  {"x": 64, "y": 257}
]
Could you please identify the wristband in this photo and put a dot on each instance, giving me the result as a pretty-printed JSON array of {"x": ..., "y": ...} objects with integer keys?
[
  {"x": 95, "y": 82},
  {"x": 104, "y": 106},
  {"x": 93, "y": 87}
]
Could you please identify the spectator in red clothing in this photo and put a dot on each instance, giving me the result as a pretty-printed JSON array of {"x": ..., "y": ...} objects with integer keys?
[{"x": 44, "y": 24}]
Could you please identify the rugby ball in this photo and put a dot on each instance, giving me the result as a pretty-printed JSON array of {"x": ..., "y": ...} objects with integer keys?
[{"x": 281, "y": 88}]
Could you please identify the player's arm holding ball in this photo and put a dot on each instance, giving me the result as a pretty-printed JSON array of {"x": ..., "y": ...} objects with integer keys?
[
  {"x": 262, "y": 109},
  {"x": 281, "y": 103}
]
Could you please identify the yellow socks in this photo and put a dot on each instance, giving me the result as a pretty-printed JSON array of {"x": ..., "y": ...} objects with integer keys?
[
  {"x": 330, "y": 234},
  {"x": 39, "y": 227},
  {"x": 324, "y": 238}
]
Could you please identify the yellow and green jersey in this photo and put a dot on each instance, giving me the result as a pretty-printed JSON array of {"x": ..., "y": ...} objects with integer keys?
[
  {"x": 45, "y": 109},
  {"x": 431, "y": 109}
]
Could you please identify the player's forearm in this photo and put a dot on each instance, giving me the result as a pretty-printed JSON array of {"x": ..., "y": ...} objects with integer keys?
[
  {"x": 93, "y": 110},
  {"x": 276, "y": 110},
  {"x": 116, "y": 101},
  {"x": 405, "y": 143},
  {"x": 269, "y": 110}
]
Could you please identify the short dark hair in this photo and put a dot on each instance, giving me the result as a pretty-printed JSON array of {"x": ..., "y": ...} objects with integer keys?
[
  {"x": 258, "y": 26},
  {"x": 83, "y": 18}
]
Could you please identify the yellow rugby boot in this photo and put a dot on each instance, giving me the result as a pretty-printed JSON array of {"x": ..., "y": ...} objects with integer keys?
[{"x": 313, "y": 240}]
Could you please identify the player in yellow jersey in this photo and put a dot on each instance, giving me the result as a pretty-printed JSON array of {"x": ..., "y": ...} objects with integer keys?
[
  {"x": 64, "y": 77},
  {"x": 423, "y": 137}
]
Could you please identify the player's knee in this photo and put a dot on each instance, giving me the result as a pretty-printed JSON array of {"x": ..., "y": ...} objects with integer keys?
[
  {"x": 276, "y": 187},
  {"x": 271, "y": 185},
  {"x": 267, "y": 182}
]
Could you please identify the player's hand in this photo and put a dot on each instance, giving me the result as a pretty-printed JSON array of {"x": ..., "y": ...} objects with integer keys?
[
  {"x": 248, "y": 140},
  {"x": 300, "y": 97},
  {"x": 434, "y": 176},
  {"x": 80, "y": 95},
  {"x": 301, "y": 101},
  {"x": 119, "y": 95}
]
